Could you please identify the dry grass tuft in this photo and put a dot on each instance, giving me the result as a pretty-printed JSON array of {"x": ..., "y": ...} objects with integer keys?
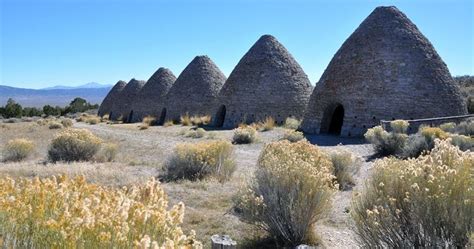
[
  {"x": 149, "y": 120},
  {"x": 55, "y": 125},
  {"x": 293, "y": 136},
  {"x": 66, "y": 122},
  {"x": 292, "y": 123},
  {"x": 107, "y": 152},
  {"x": 268, "y": 124},
  {"x": 345, "y": 165}
]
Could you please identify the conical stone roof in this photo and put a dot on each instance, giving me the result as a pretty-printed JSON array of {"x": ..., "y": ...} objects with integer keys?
[
  {"x": 151, "y": 97},
  {"x": 267, "y": 81},
  {"x": 112, "y": 98},
  {"x": 196, "y": 89},
  {"x": 385, "y": 70},
  {"x": 126, "y": 99}
]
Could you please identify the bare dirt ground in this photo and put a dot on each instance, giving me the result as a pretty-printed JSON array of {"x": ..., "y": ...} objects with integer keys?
[{"x": 143, "y": 152}]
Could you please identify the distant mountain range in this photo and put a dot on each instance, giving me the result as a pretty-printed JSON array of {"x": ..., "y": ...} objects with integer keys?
[{"x": 57, "y": 95}]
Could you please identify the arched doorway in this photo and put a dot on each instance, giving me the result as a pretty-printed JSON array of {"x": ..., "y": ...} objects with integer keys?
[
  {"x": 333, "y": 119},
  {"x": 220, "y": 116},
  {"x": 161, "y": 121}
]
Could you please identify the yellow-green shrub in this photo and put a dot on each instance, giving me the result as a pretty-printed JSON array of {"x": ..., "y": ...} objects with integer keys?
[
  {"x": 386, "y": 143},
  {"x": 17, "y": 149},
  {"x": 201, "y": 120},
  {"x": 463, "y": 142},
  {"x": 345, "y": 165},
  {"x": 292, "y": 123},
  {"x": 425, "y": 202},
  {"x": 197, "y": 133},
  {"x": 195, "y": 161},
  {"x": 268, "y": 124},
  {"x": 74, "y": 145},
  {"x": 55, "y": 125},
  {"x": 244, "y": 135},
  {"x": 292, "y": 189},
  {"x": 185, "y": 120},
  {"x": 66, "y": 122},
  {"x": 168, "y": 123},
  {"x": 399, "y": 126},
  {"x": 148, "y": 121},
  {"x": 92, "y": 120},
  {"x": 293, "y": 136},
  {"x": 59, "y": 212},
  {"x": 107, "y": 152}
]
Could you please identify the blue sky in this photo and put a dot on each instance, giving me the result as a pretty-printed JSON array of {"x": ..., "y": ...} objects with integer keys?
[{"x": 72, "y": 42}]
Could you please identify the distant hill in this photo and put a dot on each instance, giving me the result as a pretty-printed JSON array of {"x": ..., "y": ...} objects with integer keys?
[
  {"x": 88, "y": 85},
  {"x": 53, "y": 96}
]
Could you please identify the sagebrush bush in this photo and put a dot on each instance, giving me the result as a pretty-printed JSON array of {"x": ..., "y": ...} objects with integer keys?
[
  {"x": 386, "y": 143},
  {"x": 292, "y": 189},
  {"x": 465, "y": 128},
  {"x": 423, "y": 203},
  {"x": 59, "y": 212},
  {"x": 168, "y": 123},
  {"x": 185, "y": 120},
  {"x": 55, "y": 125},
  {"x": 196, "y": 161},
  {"x": 17, "y": 150},
  {"x": 74, "y": 145},
  {"x": 66, "y": 122},
  {"x": 268, "y": 124},
  {"x": 293, "y": 136},
  {"x": 463, "y": 142},
  {"x": 399, "y": 126},
  {"x": 292, "y": 123},
  {"x": 345, "y": 165},
  {"x": 415, "y": 146},
  {"x": 244, "y": 135},
  {"x": 448, "y": 127},
  {"x": 201, "y": 120},
  {"x": 92, "y": 120},
  {"x": 149, "y": 120},
  {"x": 107, "y": 152},
  {"x": 197, "y": 133}
]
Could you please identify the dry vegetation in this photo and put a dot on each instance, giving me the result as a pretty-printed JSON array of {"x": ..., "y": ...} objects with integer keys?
[{"x": 127, "y": 156}]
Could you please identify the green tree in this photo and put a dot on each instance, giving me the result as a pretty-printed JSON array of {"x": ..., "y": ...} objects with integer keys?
[
  {"x": 79, "y": 105},
  {"x": 32, "y": 112},
  {"x": 51, "y": 111},
  {"x": 12, "y": 109}
]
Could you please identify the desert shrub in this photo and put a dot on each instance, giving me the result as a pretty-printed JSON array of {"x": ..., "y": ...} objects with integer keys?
[
  {"x": 448, "y": 127},
  {"x": 431, "y": 133},
  {"x": 463, "y": 142},
  {"x": 41, "y": 122},
  {"x": 92, "y": 120},
  {"x": 143, "y": 126},
  {"x": 201, "y": 120},
  {"x": 386, "y": 143},
  {"x": 268, "y": 124},
  {"x": 399, "y": 126},
  {"x": 415, "y": 145},
  {"x": 293, "y": 136},
  {"x": 12, "y": 120},
  {"x": 185, "y": 120},
  {"x": 55, "y": 125},
  {"x": 168, "y": 123},
  {"x": 345, "y": 165},
  {"x": 107, "y": 152},
  {"x": 197, "y": 133},
  {"x": 149, "y": 120},
  {"x": 291, "y": 190},
  {"x": 244, "y": 135},
  {"x": 73, "y": 145},
  {"x": 66, "y": 122},
  {"x": 105, "y": 118},
  {"x": 59, "y": 212},
  {"x": 17, "y": 150},
  {"x": 292, "y": 123},
  {"x": 465, "y": 128},
  {"x": 425, "y": 202},
  {"x": 196, "y": 161}
]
